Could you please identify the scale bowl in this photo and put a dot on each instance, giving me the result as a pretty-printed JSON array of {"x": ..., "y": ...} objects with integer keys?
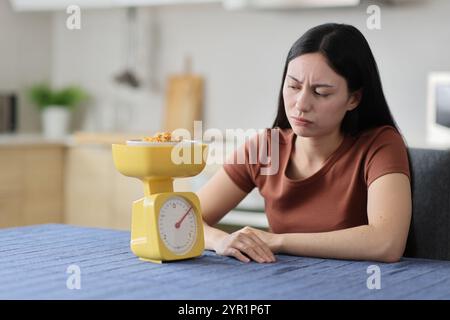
[{"x": 155, "y": 160}]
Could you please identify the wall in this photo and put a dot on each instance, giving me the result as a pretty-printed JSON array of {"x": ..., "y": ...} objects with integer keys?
[
  {"x": 241, "y": 55},
  {"x": 25, "y": 57}
]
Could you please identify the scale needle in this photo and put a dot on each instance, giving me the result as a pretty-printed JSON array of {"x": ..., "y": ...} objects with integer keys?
[{"x": 178, "y": 224}]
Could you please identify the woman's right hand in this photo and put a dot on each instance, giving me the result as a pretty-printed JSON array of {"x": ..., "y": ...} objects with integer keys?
[{"x": 244, "y": 244}]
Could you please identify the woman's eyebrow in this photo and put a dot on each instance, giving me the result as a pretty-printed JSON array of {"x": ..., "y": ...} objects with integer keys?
[{"x": 314, "y": 85}]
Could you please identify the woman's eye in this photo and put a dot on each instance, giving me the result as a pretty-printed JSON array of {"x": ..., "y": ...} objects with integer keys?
[
  {"x": 295, "y": 88},
  {"x": 321, "y": 94}
]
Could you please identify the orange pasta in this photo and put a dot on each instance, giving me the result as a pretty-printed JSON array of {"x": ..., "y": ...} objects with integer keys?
[{"x": 161, "y": 137}]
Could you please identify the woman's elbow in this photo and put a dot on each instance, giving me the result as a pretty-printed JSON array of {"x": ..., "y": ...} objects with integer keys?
[
  {"x": 392, "y": 251},
  {"x": 391, "y": 257}
]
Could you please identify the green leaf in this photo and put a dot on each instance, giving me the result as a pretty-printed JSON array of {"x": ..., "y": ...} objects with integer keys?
[{"x": 43, "y": 96}]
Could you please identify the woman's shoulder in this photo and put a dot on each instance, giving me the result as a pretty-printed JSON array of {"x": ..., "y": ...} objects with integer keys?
[
  {"x": 374, "y": 137},
  {"x": 380, "y": 132}
]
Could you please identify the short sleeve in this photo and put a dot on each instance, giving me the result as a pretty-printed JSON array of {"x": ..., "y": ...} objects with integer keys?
[
  {"x": 241, "y": 167},
  {"x": 387, "y": 154}
]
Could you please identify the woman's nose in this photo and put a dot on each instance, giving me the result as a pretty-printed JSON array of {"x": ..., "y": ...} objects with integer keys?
[{"x": 302, "y": 103}]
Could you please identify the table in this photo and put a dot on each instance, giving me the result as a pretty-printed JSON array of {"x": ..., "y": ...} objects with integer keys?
[{"x": 34, "y": 261}]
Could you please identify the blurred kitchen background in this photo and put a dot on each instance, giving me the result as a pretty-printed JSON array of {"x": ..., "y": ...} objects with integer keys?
[{"x": 153, "y": 65}]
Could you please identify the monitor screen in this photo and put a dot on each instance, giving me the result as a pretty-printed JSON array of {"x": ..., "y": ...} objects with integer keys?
[
  {"x": 443, "y": 104},
  {"x": 438, "y": 114}
]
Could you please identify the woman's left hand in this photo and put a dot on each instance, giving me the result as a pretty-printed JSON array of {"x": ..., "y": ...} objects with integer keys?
[{"x": 271, "y": 239}]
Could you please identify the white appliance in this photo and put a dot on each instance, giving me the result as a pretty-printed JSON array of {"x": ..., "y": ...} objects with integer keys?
[{"x": 286, "y": 4}]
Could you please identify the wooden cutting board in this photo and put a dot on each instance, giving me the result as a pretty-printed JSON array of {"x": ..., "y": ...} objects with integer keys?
[{"x": 184, "y": 100}]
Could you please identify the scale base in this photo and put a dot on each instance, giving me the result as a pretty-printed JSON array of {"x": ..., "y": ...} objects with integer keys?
[{"x": 151, "y": 260}]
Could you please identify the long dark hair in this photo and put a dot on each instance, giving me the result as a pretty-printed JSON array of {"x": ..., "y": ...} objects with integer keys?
[{"x": 349, "y": 55}]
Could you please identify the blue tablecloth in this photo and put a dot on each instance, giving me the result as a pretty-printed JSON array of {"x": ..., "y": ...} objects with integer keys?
[{"x": 34, "y": 262}]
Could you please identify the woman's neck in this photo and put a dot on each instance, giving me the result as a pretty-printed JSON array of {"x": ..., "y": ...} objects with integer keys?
[{"x": 316, "y": 150}]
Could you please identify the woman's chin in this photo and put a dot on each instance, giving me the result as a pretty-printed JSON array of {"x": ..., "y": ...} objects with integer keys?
[{"x": 302, "y": 131}]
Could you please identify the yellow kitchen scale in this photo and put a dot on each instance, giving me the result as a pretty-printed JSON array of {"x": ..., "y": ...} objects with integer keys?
[{"x": 166, "y": 225}]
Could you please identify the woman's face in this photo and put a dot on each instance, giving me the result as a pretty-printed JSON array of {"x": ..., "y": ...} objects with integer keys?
[{"x": 315, "y": 92}]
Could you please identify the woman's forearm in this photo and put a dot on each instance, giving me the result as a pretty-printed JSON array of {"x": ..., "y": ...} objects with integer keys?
[
  {"x": 212, "y": 236},
  {"x": 358, "y": 243}
]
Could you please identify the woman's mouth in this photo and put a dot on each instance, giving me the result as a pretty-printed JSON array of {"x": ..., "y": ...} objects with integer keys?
[{"x": 301, "y": 121}]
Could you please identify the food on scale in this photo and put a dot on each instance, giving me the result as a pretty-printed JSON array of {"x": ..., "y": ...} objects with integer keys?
[{"x": 161, "y": 137}]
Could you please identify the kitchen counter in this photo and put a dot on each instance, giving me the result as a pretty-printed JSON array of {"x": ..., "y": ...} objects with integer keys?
[
  {"x": 30, "y": 139},
  {"x": 77, "y": 138},
  {"x": 34, "y": 261}
]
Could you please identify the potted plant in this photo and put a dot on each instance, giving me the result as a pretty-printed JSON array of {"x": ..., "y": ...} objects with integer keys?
[{"x": 56, "y": 107}]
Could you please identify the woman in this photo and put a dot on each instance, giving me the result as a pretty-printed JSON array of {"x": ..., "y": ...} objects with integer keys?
[{"x": 343, "y": 188}]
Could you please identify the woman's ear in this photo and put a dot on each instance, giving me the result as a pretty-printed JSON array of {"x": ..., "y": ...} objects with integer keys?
[{"x": 354, "y": 99}]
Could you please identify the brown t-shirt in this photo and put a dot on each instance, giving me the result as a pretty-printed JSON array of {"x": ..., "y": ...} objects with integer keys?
[{"x": 333, "y": 198}]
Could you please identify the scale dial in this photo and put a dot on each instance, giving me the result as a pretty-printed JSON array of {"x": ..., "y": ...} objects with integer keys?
[{"x": 177, "y": 225}]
